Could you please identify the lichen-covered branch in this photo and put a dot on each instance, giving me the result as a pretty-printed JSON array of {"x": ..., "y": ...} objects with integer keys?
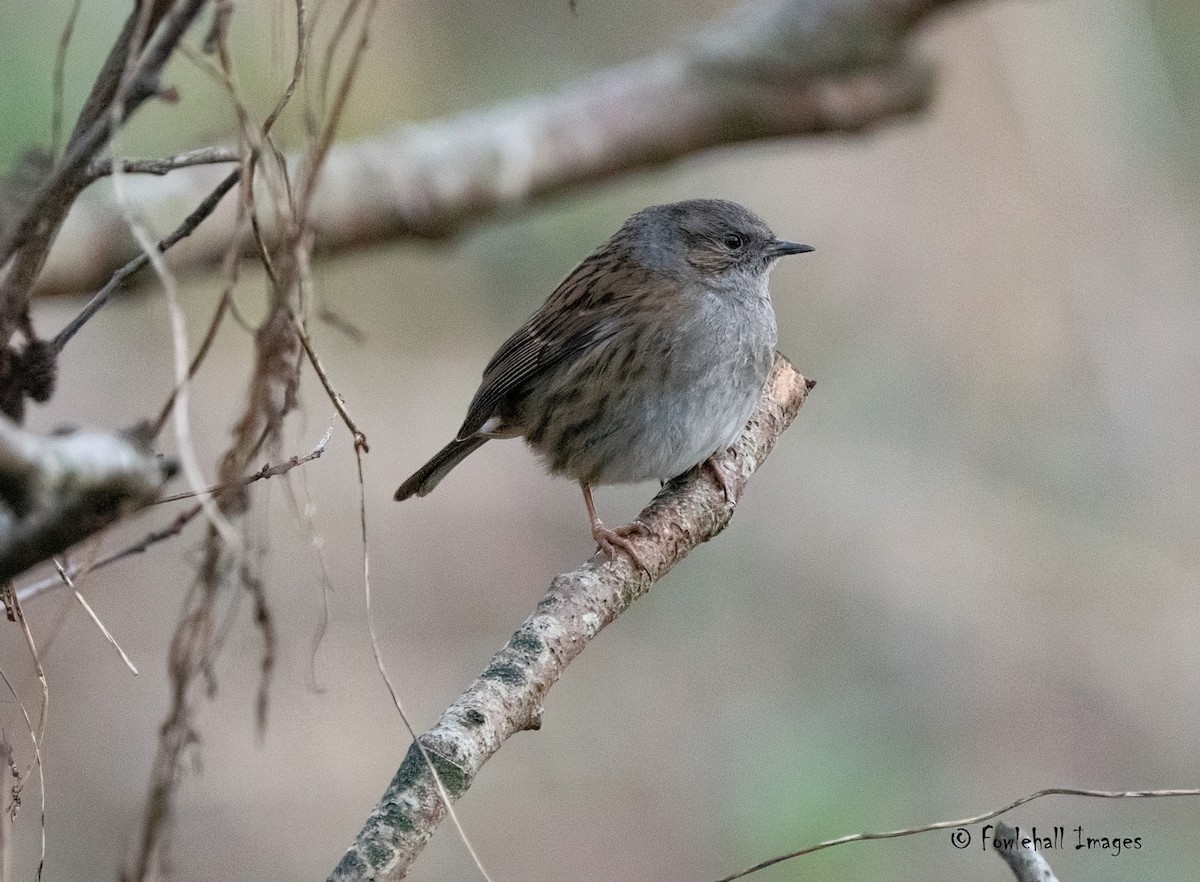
[
  {"x": 57, "y": 491},
  {"x": 770, "y": 69},
  {"x": 507, "y": 697},
  {"x": 1027, "y": 863}
]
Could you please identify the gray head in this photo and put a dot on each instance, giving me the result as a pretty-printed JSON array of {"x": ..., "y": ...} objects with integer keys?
[{"x": 713, "y": 237}]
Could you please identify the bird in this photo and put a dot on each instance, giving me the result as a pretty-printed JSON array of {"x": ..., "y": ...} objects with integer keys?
[{"x": 644, "y": 363}]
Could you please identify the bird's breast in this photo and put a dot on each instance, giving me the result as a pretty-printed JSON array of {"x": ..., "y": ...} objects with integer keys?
[{"x": 657, "y": 397}]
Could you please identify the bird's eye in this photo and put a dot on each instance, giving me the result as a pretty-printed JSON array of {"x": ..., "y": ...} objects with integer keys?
[{"x": 733, "y": 241}]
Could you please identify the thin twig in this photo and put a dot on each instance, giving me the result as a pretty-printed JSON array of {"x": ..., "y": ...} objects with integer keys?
[
  {"x": 188, "y": 459},
  {"x": 267, "y": 471},
  {"x": 280, "y": 161},
  {"x": 304, "y": 510},
  {"x": 87, "y": 607},
  {"x": 360, "y": 440},
  {"x": 40, "y": 732},
  {"x": 103, "y": 167},
  {"x": 339, "y": 322},
  {"x": 297, "y": 69},
  {"x": 223, "y": 306},
  {"x": 218, "y": 31},
  {"x": 264, "y": 257},
  {"x": 339, "y": 33},
  {"x": 257, "y": 139},
  {"x": 961, "y": 822},
  {"x": 185, "y": 229},
  {"x": 387, "y": 681},
  {"x": 7, "y": 766},
  {"x": 315, "y": 156},
  {"x": 60, "y": 63},
  {"x": 11, "y": 811},
  {"x": 231, "y": 267}
]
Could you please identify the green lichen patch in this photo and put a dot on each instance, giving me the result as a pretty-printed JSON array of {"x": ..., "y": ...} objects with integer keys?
[
  {"x": 413, "y": 776},
  {"x": 474, "y": 718},
  {"x": 523, "y": 641},
  {"x": 505, "y": 672},
  {"x": 378, "y": 855},
  {"x": 396, "y": 818},
  {"x": 454, "y": 778},
  {"x": 351, "y": 866}
]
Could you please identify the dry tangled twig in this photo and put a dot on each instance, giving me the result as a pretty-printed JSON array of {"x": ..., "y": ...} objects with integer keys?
[
  {"x": 129, "y": 77},
  {"x": 280, "y": 343}
]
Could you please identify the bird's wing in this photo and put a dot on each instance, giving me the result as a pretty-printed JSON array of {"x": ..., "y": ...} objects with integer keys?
[{"x": 581, "y": 311}]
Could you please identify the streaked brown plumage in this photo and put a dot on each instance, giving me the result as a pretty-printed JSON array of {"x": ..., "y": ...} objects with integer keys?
[{"x": 643, "y": 363}]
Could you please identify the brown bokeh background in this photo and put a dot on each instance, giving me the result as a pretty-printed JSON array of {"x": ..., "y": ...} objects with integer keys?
[{"x": 969, "y": 571}]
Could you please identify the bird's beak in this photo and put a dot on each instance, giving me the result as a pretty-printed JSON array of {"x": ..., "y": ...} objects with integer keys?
[{"x": 779, "y": 248}]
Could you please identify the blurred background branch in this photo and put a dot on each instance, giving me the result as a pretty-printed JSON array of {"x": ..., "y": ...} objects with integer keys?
[
  {"x": 767, "y": 70},
  {"x": 57, "y": 491}
]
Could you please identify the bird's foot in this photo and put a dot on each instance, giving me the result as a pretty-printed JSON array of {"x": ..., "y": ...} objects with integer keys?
[
  {"x": 726, "y": 474},
  {"x": 609, "y": 541}
]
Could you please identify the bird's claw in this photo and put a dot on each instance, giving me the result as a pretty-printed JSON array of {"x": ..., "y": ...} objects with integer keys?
[
  {"x": 722, "y": 472},
  {"x": 609, "y": 541}
]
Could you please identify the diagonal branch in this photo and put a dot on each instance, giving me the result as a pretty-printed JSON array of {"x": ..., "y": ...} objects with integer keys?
[
  {"x": 507, "y": 697},
  {"x": 1021, "y": 855},
  {"x": 778, "y": 69}
]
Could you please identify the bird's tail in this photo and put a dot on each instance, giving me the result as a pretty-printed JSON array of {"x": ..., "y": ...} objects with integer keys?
[{"x": 423, "y": 482}]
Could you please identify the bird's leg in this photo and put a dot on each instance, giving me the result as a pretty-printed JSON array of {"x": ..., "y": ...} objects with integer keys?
[
  {"x": 609, "y": 540},
  {"x": 725, "y": 478}
]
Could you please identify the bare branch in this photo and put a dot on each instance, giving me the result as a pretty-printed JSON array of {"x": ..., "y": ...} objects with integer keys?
[
  {"x": 103, "y": 167},
  {"x": 507, "y": 697},
  {"x": 185, "y": 229},
  {"x": 267, "y": 471},
  {"x": 224, "y": 305},
  {"x": 781, "y": 69}
]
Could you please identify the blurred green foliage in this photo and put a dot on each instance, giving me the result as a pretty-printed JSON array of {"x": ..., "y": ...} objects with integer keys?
[{"x": 1176, "y": 26}]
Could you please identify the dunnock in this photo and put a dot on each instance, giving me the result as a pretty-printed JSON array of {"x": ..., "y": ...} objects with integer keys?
[{"x": 643, "y": 363}]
